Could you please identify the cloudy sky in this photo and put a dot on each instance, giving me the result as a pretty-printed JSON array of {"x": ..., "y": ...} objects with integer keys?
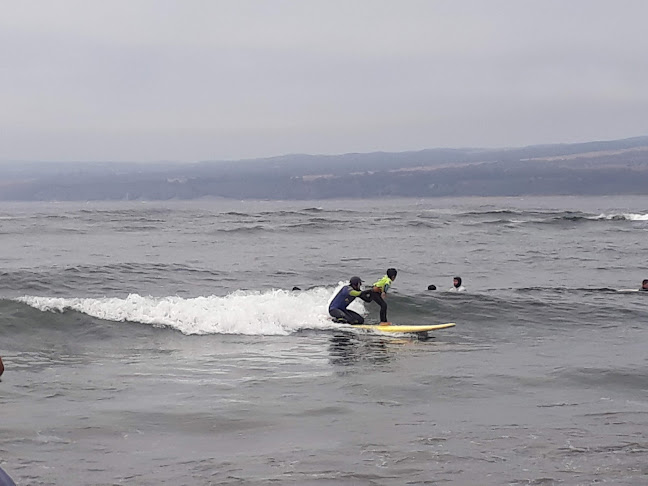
[{"x": 188, "y": 80}]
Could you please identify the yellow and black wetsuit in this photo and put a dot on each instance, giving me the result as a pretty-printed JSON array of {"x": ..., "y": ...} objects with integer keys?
[{"x": 378, "y": 288}]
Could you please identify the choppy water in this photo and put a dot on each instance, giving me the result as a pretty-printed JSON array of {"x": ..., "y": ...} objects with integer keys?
[{"x": 161, "y": 343}]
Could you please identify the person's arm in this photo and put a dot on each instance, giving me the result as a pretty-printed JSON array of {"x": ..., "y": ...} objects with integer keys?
[{"x": 365, "y": 295}]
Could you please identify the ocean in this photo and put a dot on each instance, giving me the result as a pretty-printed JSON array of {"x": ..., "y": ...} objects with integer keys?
[{"x": 153, "y": 343}]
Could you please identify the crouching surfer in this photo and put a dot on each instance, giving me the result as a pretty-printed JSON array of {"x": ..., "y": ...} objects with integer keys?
[{"x": 346, "y": 295}]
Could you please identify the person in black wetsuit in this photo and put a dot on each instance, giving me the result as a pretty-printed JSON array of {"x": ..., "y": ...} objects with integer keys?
[{"x": 346, "y": 295}]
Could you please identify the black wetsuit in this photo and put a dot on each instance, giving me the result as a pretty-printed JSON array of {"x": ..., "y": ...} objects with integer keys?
[{"x": 377, "y": 298}]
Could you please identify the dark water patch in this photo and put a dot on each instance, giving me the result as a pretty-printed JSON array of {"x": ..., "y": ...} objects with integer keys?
[
  {"x": 185, "y": 422},
  {"x": 356, "y": 259},
  {"x": 538, "y": 310},
  {"x": 313, "y": 226},
  {"x": 111, "y": 279},
  {"x": 489, "y": 212},
  {"x": 257, "y": 228},
  {"x": 498, "y": 222},
  {"x": 551, "y": 218},
  {"x": 323, "y": 411},
  {"x": 281, "y": 213},
  {"x": 54, "y": 217},
  {"x": 63, "y": 329},
  {"x": 580, "y": 218},
  {"x": 137, "y": 228},
  {"x": 349, "y": 349},
  {"x": 619, "y": 379},
  {"x": 137, "y": 212},
  {"x": 564, "y": 290},
  {"x": 329, "y": 221},
  {"x": 422, "y": 224}
]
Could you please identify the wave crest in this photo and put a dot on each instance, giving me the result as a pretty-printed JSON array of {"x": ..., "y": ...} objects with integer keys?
[{"x": 273, "y": 312}]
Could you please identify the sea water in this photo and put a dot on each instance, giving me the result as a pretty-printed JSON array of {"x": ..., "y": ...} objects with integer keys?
[{"x": 162, "y": 342}]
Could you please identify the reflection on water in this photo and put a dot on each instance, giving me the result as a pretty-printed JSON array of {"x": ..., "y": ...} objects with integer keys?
[{"x": 347, "y": 349}]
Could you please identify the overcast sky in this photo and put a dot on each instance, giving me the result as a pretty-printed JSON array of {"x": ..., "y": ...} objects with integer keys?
[{"x": 148, "y": 80}]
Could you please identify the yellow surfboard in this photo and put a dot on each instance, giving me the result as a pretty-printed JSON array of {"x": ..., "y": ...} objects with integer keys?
[{"x": 407, "y": 329}]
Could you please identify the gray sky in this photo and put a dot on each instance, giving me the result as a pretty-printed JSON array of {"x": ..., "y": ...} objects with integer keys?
[{"x": 187, "y": 80}]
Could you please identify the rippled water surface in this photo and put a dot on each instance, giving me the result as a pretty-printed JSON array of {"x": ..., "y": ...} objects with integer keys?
[{"x": 162, "y": 343}]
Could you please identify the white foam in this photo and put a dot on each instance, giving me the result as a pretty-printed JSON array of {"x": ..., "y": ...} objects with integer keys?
[
  {"x": 273, "y": 312},
  {"x": 626, "y": 216}
]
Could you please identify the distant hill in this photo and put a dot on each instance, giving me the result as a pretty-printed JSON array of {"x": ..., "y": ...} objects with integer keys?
[{"x": 593, "y": 168}]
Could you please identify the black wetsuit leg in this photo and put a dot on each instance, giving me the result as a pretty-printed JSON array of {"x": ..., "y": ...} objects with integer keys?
[
  {"x": 347, "y": 315},
  {"x": 377, "y": 298}
]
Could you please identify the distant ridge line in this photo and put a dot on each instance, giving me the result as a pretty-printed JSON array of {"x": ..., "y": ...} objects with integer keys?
[{"x": 587, "y": 168}]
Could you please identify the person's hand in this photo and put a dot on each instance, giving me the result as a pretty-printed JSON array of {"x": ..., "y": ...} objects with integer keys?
[{"x": 383, "y": 295}]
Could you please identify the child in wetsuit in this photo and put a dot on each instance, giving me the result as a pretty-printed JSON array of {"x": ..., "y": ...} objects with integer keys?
[{"x": 379, "y": 291}]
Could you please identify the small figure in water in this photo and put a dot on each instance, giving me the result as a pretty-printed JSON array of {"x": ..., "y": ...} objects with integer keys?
[
  {"x": 379, "y": 292},
  {"x": 346, "y": 295},
  {"x": 431, "y": 287},
  {"x": 644, "y": 284},
  {"x": 456, "y": 285}
]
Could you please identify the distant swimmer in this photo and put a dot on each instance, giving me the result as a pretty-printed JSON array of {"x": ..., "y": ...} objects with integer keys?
[
  {"x": 379, "y": 292},
  {"x": 431, "y": 287},
  {"x": 644, "y": 286},
  {"x": 456, "y": 285},
  {"x": 346, "y": 295}
]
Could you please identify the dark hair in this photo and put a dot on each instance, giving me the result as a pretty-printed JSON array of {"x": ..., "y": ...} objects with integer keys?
[
  {"x": 458, "y": 279},
  {"x": 431, "y": 287},
  {"x": 391, "y": 272},
  {"x": 645, "y": 281}
]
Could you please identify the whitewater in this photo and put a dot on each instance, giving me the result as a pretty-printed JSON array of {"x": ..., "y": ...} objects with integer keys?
[{"x": 274, "y": 312}]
